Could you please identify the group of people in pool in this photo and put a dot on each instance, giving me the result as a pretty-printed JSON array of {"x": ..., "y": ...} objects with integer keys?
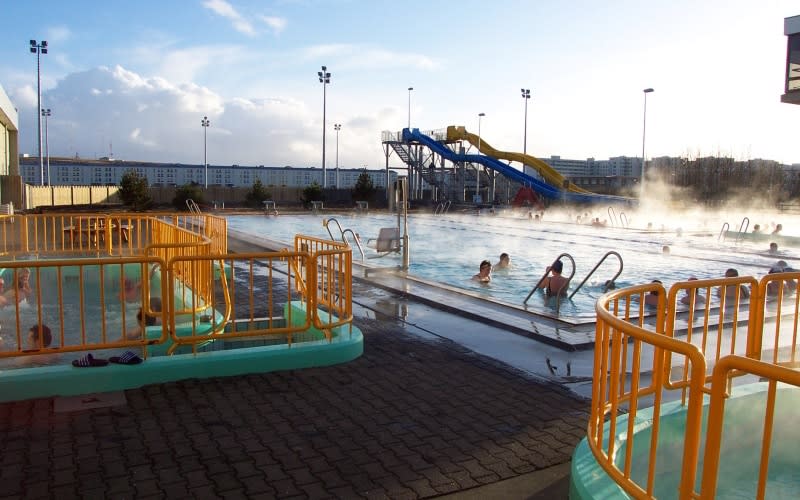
[
  {"x": 695, "y": 298},
  {"x": 553, "y": 284},
  {"x": 40, "y": 335}
]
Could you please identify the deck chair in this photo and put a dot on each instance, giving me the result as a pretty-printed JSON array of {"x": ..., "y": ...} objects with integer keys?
[{"x": 388, "y": 241}]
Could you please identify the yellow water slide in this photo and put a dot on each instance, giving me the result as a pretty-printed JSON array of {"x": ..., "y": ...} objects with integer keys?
[{"x": 550, "y": 175}]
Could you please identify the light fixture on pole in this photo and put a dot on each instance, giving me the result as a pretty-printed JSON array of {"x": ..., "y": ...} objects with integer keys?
[
  {"x": 409, "y": 107},
  {"x": 644, "y": 131},
  {"x": 205, "y": 123},
  {"x": 324, "y": 79},
  {"x": 478, "y": 170},
  {"x": 46, "y": 114},
  {"x": 526, "y": 94},
  {"x": 337, "y": 127},
  {"x": 39, "y": 48}
]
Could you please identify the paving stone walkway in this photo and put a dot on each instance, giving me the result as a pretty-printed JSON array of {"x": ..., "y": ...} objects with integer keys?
[{"x": 411, "y": 418}]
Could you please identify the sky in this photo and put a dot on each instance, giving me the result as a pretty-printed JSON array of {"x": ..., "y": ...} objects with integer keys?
[{"x": 134, "y": 79}]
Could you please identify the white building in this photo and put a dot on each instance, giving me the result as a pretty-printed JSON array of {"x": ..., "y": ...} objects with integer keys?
[{"x": 65, "y": 172}]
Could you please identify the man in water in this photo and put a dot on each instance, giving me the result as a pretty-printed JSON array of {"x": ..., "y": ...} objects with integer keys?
[
  {"x": 484, "y": 273},
  {"x": 504, "y": 262}
]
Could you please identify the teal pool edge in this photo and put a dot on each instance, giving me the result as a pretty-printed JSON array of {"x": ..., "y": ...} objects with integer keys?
[
  {"x": 20, "y": 384},
  {"x": 589, "y": 480}
]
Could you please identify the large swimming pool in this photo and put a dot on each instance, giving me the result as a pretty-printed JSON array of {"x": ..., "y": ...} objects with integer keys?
[{"x": 449, "y": 248}]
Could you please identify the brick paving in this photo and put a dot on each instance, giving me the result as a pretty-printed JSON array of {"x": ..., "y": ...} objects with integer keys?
[{"x": 411, "y": 418}]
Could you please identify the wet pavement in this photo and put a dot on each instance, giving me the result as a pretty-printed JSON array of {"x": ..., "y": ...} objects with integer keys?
[{"x": 418, "y": 415}]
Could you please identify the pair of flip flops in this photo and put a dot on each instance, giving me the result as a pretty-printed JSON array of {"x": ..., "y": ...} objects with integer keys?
[{"x": 89, "y": 361}]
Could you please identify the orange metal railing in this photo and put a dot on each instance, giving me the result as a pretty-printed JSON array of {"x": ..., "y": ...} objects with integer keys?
[
  {"x": 180, "y": 259},
  {"x": 330, "y": 277},
  {"x": 686, "y": 349}
]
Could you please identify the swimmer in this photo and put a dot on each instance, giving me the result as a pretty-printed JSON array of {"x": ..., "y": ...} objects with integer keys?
[
  {"x": 773, "y": 248},
  {"x": 21, "y": 291},
  {"x": 144, "y": 320},
  {"x": 730, "y": 291},
  {"x": 651, "y": 299},
  {"x": 504, "y": 262},
  {"x": 756, "y": 229},
  {"x": 778, "y": 229},
  {"x": 484, "y": 273},
  {"x": 698, "y": 296},
  {"x": 665, "y": 250},
  {"x": 555, "y": 284}
]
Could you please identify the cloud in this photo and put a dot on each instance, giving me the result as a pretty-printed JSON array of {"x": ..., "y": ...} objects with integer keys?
[
  {"x": 276, "y": 24},
  {"x": 226, "y": 10}
]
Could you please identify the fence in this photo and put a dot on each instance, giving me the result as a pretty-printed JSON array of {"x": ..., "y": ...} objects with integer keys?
[{"x": 640, "y": 364}]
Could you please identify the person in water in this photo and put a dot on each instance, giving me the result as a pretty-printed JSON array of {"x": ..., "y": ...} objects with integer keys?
[
  {"x": 504, "y": 262},
  {"x": 730, "y": 291},
  {"x": 484, "y": 272},
  {"x": 555, "y": 284}
]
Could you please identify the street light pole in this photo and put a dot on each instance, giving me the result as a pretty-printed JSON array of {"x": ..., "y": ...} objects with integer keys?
[
  {"x": 324, "y": 79},
  {"x": 478, "y": 170},
  {"x": 526, "y": 94},
  {"x": 39, "y": 48},
  {"x": 337, "y": 127},
  {"x": 205, "y": 123},
  {"x": 644, "y": 131},
  {"x": 46, "y": 114},
  {"x": 409, "y": 107}
]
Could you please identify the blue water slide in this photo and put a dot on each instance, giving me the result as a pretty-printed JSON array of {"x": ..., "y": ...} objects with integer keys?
[{"x": 541, "y": 187}]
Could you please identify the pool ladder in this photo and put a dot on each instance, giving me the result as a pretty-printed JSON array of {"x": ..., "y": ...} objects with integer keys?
[
  {"x": 612, "y": 280},
  {"x": 442, "y": 207},
  {"x": 742, "y": 229},
  {"x": 569, "y": 280},
  {"x": 343, "y": 234},
  {"x": 612, "y": 216}
]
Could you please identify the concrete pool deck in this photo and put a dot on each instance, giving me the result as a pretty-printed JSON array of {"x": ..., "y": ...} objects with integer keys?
[{"x": 418, "y": 415}]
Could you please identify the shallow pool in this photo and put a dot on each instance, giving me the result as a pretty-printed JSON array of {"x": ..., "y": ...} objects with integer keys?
[{"x": 449, "y": 249}]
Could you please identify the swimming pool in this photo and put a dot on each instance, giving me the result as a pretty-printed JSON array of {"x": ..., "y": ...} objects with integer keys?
[{"x": 448, "y": 249}]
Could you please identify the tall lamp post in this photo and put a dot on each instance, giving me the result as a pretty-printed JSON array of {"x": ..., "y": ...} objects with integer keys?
[
  {"x": 39, "y": 48},
  {"x": 409, "y": 107},
  {"x": 46, "y": 114},
  {"x": 324, "y": 79},
  {"x": 644, "y": 132},
  {"x": 205, "y": 123},
  {"x": 478, "y": 170},
  {"x": 337, "y": 127},
  {"x": 526, "y": 94}
]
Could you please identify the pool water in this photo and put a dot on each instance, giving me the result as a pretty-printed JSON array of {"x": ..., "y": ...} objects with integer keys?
[{"x": 449, "y": 248}]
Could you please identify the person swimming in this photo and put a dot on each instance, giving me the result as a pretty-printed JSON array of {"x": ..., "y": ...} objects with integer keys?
[
  {"x": 504, "y": 262},
  {"x": 484, "y": 272}
]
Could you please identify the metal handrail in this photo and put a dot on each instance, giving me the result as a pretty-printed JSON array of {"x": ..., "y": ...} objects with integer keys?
[
  {"x": 193, "y": 208},
  {"x": 621, "y": 216},
  {"x": 356, "y": 238},
  {"x": 743, "y": 227},
  {"x": 619, "y": 271},
  {"x": 612, "y": 216},
  {"x": 725, "y": 228},
  {"x": 326, "y": 222},
  {"x": 538, "y": 284}
]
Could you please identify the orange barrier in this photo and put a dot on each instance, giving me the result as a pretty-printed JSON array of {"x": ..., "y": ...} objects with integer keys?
[{"x": 694, "y": 350}]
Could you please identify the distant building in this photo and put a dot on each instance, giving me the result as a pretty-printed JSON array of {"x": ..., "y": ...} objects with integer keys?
[
  {"x": 623, "y": 166},
  {"x": 106, "y": 171},
  {"x": 791, "y": 28}
]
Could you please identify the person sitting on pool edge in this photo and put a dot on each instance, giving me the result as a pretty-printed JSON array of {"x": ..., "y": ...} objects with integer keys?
[
  {"x": 504, "y": 262},
  {"x": 555, "y": 284},
  {"x": 484, "y": 272}
]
